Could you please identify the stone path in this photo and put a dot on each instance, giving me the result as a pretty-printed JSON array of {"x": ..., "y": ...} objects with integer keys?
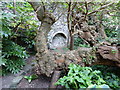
[
  {"x": 41, "y": 82},
  {"x": 17, "y": 80}
]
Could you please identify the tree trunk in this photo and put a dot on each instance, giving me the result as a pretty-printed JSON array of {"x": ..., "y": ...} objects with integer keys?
[
  {"x": 49, "y": 61},
  {"x": 71, "y": 42},
  {"x": 100, "y": 27},
  {"x": 55, "y": 77},
  {"x": 69, "y": 21}
]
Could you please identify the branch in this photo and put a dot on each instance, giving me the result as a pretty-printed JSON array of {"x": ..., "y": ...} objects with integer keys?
[
  {"x": 61, "y": 15},
  {"x": 15, "y": 29},
  {"x": 77, "y": 32},
  {"x": 112, "y": 14},
  {"x": 74, "y": 5},
  {"x": 55, "y": 7},
  {"x": 42, "y": 14},
  {"x": 68, "y": 15},
  {"x": 39, "y": 9},
  {"x": 86, "y": 7},
  {"x": 80, "y": 6},
  {"x": 102, "y": 7}
]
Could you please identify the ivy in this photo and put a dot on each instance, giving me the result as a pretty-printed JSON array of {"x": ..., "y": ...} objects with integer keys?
[
  {"x": 110, "y": 75},
  {"x": 81, "y": 77}
]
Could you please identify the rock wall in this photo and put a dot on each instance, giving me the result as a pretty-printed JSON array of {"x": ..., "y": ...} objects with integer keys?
[{"x": 59, "y": 34}]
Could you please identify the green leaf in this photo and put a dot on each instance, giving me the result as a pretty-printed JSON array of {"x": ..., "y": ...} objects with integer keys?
[
  {"x": 34, "y": 76},
  {"x": 29, "y": 80},
  {"x": 80, "y": 80}
]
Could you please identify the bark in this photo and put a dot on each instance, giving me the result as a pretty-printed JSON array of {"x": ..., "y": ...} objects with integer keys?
[
  {"x": 71, "y": 42},
  {"x": 49, "y": 61},
  {"x": 69, "y": 26},
  {"x": 54, "y": 60},
  {"x": 55, "y": 78},
  {"x": 47, "y": 21},
  {"x": 41, "y": 12},
  {"x": 101, "y": 27}
]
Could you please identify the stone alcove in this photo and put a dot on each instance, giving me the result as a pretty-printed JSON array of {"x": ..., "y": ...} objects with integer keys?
[
  {"x": 59, "y": 35},
  {"x": 59, "y": 40}
]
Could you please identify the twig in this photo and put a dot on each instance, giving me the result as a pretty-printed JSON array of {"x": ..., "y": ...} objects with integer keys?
[
  {"x": 15, "y": 29},
  {"x": 60, "y": 15},
  {"x": 86, "y": 7},
  {"x": 54, "y": 7},
  {"x": 100, "y": 8},
  {"x": 83, "y": 39}
]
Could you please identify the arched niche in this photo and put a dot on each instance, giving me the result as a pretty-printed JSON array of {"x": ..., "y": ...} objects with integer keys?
[{"x": 59, "y": 40}]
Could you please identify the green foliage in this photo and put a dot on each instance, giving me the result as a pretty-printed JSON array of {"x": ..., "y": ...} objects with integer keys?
[
  {"x": 12, "y": 56},
  {"x": 80, "y": 77},
  {"x": 112, "y": 80},
  {"x": 110, "y": 74},
  {"x": 25, "y": 33},
  {"x": 12, "y": 49},
  {"x": 98, "y": 86},
  {"x": 111, "y": 24},
  {"x": 79, "y": 43},
  {"x": 14, "y": 66},
  {"x": 31, "y": 77},
  {"x": 114, "y": 51},
  {"x": 97, "y": 76},
  {"x": 111, "y": 32}
]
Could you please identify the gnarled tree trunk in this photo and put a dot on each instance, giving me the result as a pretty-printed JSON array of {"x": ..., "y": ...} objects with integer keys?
[{"x": 48, "y": 61}]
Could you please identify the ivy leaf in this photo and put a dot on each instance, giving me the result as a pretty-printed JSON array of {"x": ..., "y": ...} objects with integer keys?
[{"x": 80, "y": 80}]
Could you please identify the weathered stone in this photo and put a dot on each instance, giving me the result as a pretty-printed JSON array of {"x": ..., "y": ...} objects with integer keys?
[
  {"x": 58, "y": 36},
  {"x": 15, "y": 81},
  {"x": 91, "y": 27},
  {"x": 109, "y": 52}
]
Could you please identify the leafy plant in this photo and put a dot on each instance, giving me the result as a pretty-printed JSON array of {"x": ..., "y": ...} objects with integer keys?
[
  {"x": 13, "y": 56},
  {"x": 80, "y": 77},
  {"x": 18, "y": 33},
  {"x": 21, "y": 26},
  {"x": 14, "y": 66},
  {"x": 79, "y": 43},
  {"x": 110, "y": 74},
  {"x": 113, "y": 51},
  {"x": 99, "y": 86},
  {"x": 31, "y": 77}
]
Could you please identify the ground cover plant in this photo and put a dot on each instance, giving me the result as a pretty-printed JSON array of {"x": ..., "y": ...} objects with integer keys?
[{"x": 90, "y": 77}]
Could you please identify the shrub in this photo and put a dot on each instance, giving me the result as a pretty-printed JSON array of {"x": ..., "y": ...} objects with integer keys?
[
  {"x": 13, "y": 56},
  {"x": 80, "y": 43},
  {"x": 110, "y": 74},
  {"x": 81, "y": 77}
]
